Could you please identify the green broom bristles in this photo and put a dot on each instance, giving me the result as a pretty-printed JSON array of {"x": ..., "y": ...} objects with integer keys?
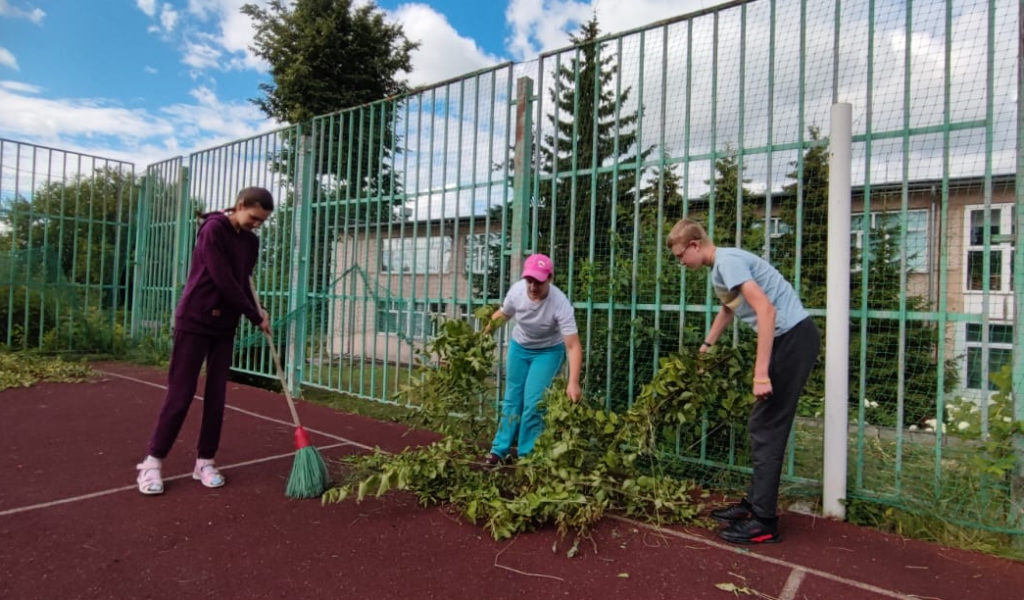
[{"x": 309, "y": 474}]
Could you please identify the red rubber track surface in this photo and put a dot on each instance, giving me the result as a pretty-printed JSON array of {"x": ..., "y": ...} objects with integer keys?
[{"x": 72, "y": 524}]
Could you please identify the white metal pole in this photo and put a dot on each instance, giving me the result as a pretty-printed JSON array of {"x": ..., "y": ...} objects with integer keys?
[{"x": 837, "y": 314}]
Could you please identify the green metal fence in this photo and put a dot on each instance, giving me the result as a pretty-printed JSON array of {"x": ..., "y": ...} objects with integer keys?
[
  {"x": 66, "y": 221},
  {"x": 396, "y": 213}
]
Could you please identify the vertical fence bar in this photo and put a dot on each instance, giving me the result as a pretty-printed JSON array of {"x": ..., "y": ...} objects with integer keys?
[
  {"x": 1018, "y": 279},
  {"x": 298, "y": 294},
  {"x": 522, "y": 177}
]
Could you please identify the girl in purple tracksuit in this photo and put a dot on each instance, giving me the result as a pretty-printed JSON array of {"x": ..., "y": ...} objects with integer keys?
[{"x": 216, "y": 295}]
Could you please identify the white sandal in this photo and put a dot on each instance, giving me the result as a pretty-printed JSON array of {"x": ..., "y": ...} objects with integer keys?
[
  {"x": 205, "y": 472},
  {"x": 149, "y": 479}
]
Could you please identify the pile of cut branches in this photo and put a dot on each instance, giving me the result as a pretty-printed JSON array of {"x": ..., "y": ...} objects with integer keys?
[{"x": 589, "y": 461}]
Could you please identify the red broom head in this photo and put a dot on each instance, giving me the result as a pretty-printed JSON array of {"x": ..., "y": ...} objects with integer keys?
[{"x": 301, "y": 438}]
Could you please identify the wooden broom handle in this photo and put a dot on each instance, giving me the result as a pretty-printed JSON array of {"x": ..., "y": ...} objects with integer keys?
[
  {"x": 277, "y": 361},
  {"x": 280, "y": 375}
]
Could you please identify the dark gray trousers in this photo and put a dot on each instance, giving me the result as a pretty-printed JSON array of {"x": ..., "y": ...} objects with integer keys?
[
  {"x": 187, "y": 357},
  {"x": 793, "y": 356}
]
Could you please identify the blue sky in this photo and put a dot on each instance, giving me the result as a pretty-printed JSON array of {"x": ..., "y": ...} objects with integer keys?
[{"x": 145, "y": 80}]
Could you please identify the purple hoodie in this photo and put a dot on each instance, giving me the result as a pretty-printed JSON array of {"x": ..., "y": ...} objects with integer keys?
[{"x": 217, "y": 292}]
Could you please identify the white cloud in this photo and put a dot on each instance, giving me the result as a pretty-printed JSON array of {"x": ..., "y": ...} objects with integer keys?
[
  {"x": 204, "y": 95},
  {"x": 36, "y": 15},
  {"x": 443, "y": 53},
  {"x": 149, "y": 70},
  {"x": 200, "y": 55},
  {"x": 224, "y": 39},
  {"x": 147, "y": 6},
  {"x": 143, "y": 137},
  {"x": 7, "y": 59},
  {"x": 237, "y": 34},
  {"x": 211, "y": 122},
  {"x": 168, "y": 18},
  {"x": 541, "y": 25},
  {"x": 202, "y": 8},
  {"x": 19, "y": 87},
  {"x": 50, "y": 119}
]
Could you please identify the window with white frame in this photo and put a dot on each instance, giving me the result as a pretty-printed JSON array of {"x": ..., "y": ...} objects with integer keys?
[
  {"x": 407, "y": 319},
  {"x": 482, "y": 252},
  {"x": 416, "y": 255},
  {"x": 888, "y": 223},
  {"x": 1001, "y": 229},
  {"x": 776, "y": 227},
  {"x": 999, "y": 351}
]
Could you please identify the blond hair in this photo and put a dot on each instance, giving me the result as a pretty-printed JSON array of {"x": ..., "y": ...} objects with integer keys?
[{"x": 686, "y": 231}]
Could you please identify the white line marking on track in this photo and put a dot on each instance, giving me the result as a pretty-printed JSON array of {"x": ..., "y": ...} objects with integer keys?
[
  {"x": 796, "y": 577},
  {"x": 22, "y": 509},
  {"x": 246, "y": 412},
  {"x": 775, "y": 561}
]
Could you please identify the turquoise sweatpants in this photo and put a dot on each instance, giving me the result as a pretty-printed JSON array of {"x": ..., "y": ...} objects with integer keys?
[{"x": 529, "y": 372}]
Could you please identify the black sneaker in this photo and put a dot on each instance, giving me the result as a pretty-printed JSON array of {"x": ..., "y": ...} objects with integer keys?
[
  {"x": 751, "y": 531},
  {"x": 492, "y": 460},
  {"x": 731, "y": 514}
]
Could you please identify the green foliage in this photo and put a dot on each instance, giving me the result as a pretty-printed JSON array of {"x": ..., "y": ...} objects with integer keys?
[
  {"x": 25, "y": 369},
  {"x": 63, "y": 250},
  {"x": 92, "y": 332},
  {"x": 692, "y": 391},
  {"x": 452, "y": 386},
  {"x": 588, "y": 461},
  {"x": 726, "y": 190},
  {"x": 326, "y": 55},
  {"x": 996, "y": 456},
  {"x": 150, "y": 348}
]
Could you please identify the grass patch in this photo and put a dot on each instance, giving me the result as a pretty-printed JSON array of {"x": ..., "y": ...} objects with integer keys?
[{"x": 347, "y": 403}]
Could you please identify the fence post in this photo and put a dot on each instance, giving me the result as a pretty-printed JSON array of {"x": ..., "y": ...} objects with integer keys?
[
  {"x": 1017, "y": 377},
  {"x": 298, "y": 293},
  {"x": 139, "y": 251},
  {"x": 837, "y": 310},
  {"x": 522, "y": 177},
  {"x": 184, "y": 240}
]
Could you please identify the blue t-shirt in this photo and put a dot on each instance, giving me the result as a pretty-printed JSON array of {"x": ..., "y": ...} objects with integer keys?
[{"x": 733, "y": 267}]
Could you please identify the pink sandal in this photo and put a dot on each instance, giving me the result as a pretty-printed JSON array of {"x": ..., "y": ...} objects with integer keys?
[
  {"x": 207, "y": 473},
  {"x": 150, "y": 481}
]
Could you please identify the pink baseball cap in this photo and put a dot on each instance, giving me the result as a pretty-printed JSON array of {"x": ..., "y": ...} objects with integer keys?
[{"x": 538, "y": 266}]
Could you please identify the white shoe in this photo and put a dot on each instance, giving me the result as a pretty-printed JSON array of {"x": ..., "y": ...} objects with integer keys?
[
  {"x": 205, "y": 472},
  {"x": 150, "y": 481}
]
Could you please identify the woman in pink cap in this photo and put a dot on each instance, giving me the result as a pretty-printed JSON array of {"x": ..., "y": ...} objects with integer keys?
[{"x": 544, "y": 333}]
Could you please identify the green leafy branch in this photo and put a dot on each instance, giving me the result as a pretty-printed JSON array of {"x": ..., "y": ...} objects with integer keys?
[{"x": 588, "y": 462}]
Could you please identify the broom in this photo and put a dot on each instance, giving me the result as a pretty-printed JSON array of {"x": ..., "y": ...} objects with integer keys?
[{"x": 309, "y": 474}]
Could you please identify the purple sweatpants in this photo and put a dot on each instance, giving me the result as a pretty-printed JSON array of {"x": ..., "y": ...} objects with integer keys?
[{"x": 187, "y": 357}]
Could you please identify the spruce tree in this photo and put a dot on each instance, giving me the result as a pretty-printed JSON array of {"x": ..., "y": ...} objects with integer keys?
[{"x": 583, "y": 197}]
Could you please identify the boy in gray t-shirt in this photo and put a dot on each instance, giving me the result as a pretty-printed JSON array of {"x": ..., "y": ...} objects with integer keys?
[{"x": 788, "y": 342}]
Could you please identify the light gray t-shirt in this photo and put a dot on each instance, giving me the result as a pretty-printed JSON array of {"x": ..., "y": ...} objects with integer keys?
[
  {"x": 539, "y": 324},
  {"x": 733, "y": 267}
]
